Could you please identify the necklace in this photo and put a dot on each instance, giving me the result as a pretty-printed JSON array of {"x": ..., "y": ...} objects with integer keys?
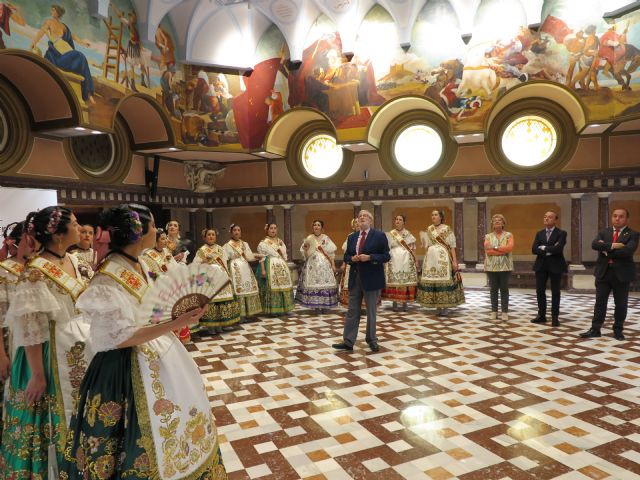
[
  {"x": 126, "y": 255},
  {"x": 59, "y": 257}
]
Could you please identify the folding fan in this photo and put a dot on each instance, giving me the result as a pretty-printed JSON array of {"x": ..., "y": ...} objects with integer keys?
[{"x": 181, "y": 289}]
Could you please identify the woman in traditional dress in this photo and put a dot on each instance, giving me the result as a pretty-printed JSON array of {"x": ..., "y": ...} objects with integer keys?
[
  {"x": 142, "y": 411},
  {"x": 179, "y": 247},
  {"x": 345, "y": 267},
  {"x": 317, "y": 287},
  {"x": 10, "y": 270},
  {"x": 223, "y": 311},
  {"x": 498, "y": 265},
  {"x": 245, "y": 286},
  {"x": 159, "y": 258},
  {"x": 62, "y": 51},
  {"x": 402, "y": 270},
  {"x": 51, "y": 354},
  {"x": 274, "y": 277},
  {"x": 84, "y": 252},
  {"x": 439, "y": 286}
]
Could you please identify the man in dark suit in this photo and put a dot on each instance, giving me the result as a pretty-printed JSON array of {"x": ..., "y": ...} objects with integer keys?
[
  {"x": 549, "y": 264},
  {"x": 614, "y": 271},
  {"x": 367, "y": 252}
]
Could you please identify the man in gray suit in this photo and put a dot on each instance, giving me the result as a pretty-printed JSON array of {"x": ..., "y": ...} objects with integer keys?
[{"x": 367, "y": 252}]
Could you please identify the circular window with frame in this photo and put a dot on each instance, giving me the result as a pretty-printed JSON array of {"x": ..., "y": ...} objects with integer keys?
[
  {"x": 531, "y": 136},
  {"x": 16, "y": 139},
  {"x": 104, "y": 158},
  {"x": 416, "y": 146},
  {"x": 321, "y": 157},
  {"x": 314, "y": 157}
]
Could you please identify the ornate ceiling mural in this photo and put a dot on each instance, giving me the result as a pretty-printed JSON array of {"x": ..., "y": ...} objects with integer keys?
[{"x": 344, "y": 58}]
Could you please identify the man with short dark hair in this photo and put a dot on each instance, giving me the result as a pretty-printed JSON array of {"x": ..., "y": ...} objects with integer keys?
[
  {"x": 367, "y": 252},
  {"x": 550, "y": 264},
  {"x": 614, "y": 271}
]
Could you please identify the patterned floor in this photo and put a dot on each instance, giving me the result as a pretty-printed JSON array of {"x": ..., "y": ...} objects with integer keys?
[{"x": 459, "y": 397}]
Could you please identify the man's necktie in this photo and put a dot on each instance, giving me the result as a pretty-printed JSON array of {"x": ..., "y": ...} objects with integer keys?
[
  {"x": 616, "y": 232},
  {"x": 361, "y": 242},
  {"x": 548, "y": 234}
]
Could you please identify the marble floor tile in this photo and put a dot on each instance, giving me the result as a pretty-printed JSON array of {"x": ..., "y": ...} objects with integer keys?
[{"x": 446, "y": 397}]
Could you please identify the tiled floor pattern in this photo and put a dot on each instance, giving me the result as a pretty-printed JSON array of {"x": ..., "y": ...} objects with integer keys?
[{"x": 457, "y": 397}]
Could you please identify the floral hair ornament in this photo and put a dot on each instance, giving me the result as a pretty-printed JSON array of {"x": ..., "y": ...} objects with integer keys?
[
  {"x": 54, "y": 221},
  {"x": 135, "y": 226}
]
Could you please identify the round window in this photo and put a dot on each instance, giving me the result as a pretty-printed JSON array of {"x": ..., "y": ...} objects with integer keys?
[
  {"x": 321, "y": 157},
  {"x": 4, "y": 131},
  {"x": 418, "y": 148},
  {"x": 94, "y": 153},
  {"x": 529, "y": 140}
]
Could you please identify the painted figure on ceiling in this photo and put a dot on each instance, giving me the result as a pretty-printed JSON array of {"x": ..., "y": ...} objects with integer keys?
[
  {"x": 8, "y": 12},
  {"x": 134, "y": 55},
  {"x": 62, "y": 51}
]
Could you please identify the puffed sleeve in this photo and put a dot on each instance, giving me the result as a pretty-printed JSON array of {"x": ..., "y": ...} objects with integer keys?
[
  {"x": 424, "y": 239},
  {"x": 330, "y": 248},
  {"x": 263, "y": 249},
  {"x": 283, "y": 249},
  {"x": 29, "y": 312},
  {"x": 199, "y": 258},
  {"x": 451, "y": 239},
  {"x": 248, "y": 253},
  {"x": 410, "y": 240},
  {"x": 109, "y": 311}
]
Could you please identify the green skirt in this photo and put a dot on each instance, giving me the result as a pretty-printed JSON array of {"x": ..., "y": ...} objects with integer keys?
[
  {"x": 105, "y": 441},
  {"x": 26, "y": 435},
  {"x": 273, "y": 302},
  {"x": 221, "y": 314},
  {"x": 440, "y": 295}
]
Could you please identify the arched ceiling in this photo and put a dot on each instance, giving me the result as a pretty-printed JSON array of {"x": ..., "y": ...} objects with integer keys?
[{"x": 225, "y": 32}]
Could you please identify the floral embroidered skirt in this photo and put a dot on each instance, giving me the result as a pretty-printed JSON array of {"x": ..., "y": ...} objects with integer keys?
[
  {"x": 315, "y": 297},
  {"x": 105, "y": 441},
  {"x": 26, "y": 434},
  {"x": 250, "y": 305},
  {"x": 221, "y": 314},
  {"x": 440, "y": 295},
  {"x": 399, "y": 294},
  {"x": 273, "y": 302}
]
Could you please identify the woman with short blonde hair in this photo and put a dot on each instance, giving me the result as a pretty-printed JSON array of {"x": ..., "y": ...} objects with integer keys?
[{"x": 498, "y": 264}]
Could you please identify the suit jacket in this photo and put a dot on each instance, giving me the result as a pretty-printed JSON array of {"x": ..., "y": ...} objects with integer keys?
[
  {"x": 372, "y": 272},
  {"x": 623, "y": 265},
  {"x": 551, "y": 259}
]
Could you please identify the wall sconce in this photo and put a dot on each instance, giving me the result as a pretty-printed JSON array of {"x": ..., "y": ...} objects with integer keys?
[
  {"x": 293, "y": 65},
  {"x": 466, "y": 38},
  {"x": 405, "y": 46},
  {"x": 348, "y": 55}
]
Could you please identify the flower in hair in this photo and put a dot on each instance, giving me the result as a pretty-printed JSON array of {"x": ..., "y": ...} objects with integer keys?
[
  {"x": 54, "y": 221},
  {"x": 135, "y": 226}
]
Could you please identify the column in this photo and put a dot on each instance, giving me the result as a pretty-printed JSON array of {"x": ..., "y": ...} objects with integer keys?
[
  {"x": 288, "y": 236},
  {"x": 603, "y": 210},
  {"x": 194, "y": 235},
  {"x": 209, "y": 217},
  {"x": 458, "y": 220},
  {"x": 377, "y": 214},
  {"x": 576, "y": 231},
  {"x": 356, "y": 208},
  {"x": 271, "y": 218},
  {"x": 482, "y": 230}
]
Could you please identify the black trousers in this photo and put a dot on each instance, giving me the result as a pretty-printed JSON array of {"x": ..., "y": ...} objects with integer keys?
[
  {"x": 499, "y": 281},
  {"x": 541, "y": 287},
  {"x": 604, "y": 287}
]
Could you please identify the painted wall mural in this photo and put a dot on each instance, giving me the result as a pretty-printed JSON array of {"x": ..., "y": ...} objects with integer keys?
[
  {"x": 105, "y": 57},
  {"x": 213, "y": 108}
]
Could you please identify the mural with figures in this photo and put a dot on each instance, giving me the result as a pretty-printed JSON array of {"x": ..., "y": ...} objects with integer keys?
[
  {"x": 214, "y": 108},
  {"x": 105, "y": 58}
]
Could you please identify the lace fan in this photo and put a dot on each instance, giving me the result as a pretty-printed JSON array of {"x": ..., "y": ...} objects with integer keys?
[{"x": 181, "y": 289}]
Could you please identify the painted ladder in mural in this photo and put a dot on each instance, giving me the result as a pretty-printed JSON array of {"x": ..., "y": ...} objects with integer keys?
[{"x": 113, "y": 51}]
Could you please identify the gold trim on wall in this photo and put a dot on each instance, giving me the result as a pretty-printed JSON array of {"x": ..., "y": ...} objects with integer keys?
[
  {"x": 407, "y": 119},
  {"x": 19, "y": 140},
  {"x": 567, "y": 139}
]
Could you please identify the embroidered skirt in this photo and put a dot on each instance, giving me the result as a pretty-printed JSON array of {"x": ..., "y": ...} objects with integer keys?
[
  {"x": 440, "y": 295},
  {"x": 273, "y": 301},
  {"x": 106, "y": 441},
  {"x": 221, "y": 314},
  {"x": 26, "y": 434},
  {"x": 399, "y": 294}
]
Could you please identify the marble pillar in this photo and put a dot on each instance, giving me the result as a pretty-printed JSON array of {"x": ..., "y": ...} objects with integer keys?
[
  {"x": 576, "y": 231},
  {"x": 482, "y": 229},
  {"x": 377, "y": 214},
  {"x": 603, "y": 210},
  {"x": 458, "y": 220},
  {"x": 288, "y": 233}
]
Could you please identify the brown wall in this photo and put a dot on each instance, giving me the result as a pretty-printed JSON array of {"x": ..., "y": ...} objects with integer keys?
[
  {"x": 523, "y": 222},
  {"x": 623, "y": 151}
]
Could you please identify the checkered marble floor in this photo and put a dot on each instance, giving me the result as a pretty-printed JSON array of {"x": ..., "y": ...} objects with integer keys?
[{"x": 457, "y": 397}]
